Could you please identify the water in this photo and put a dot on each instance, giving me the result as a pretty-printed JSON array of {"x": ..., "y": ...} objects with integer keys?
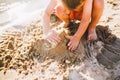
[{"x": 19, "y": 12}]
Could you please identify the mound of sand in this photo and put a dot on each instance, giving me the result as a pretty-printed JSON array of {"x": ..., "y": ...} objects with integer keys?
[
  {"x": 28, "y": 53},
  {"x": 25, "y": 55}
]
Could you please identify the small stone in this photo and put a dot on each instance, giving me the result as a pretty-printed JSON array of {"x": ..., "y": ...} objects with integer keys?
[
  {"x": 10, "y": 45},
  {"x": 19, "y": 71},
  {"x": 1, "y": 68},
  {"x": 25, "y": 72},
  {"x": 1, "y": 63},
  {"x": 24, "y": 66},
  {"x": 36, "y": 79},
  {"x": 42, "y": 70},
  {"x": 67, "y": 61}
]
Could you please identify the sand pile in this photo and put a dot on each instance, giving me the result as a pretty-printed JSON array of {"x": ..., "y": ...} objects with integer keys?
[
  {"x": 29, "y": 54},
  {"x": 22, "y": 50},
  {"x": 25, "y": 55},
  {"x": 16, "y": 49}
]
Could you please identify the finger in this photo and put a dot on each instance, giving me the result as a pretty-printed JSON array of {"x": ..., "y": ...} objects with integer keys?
[
  {"x": 52, "y": 41},
  {"x": 55, "y": 33},
  {"x": 89, "y": 38},
  {"x": 70, "y": 43},
  {"x": 68, "y": 37},
  {"x": 49, "y": 40},
  {"x": 70, "y": 47},
  {"x": 56, "y": 36},
  {"x": 73, "y": 48},
  {"x": 56, "y": 39}
]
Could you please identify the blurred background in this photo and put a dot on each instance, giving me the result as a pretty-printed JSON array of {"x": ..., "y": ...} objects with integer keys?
[{"x": 19, "y": 12}]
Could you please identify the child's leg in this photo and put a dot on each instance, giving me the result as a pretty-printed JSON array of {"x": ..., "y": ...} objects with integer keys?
[
  {"x": 97, "y": 11},
  {"x": 63, "y": 14}
]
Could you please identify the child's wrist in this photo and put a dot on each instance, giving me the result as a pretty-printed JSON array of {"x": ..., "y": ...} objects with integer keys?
[
  {"x": 77, "y": 37},
  {"x": 45, "y": 31}
]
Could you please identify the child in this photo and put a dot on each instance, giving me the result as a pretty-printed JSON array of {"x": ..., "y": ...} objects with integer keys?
[{"x": 87, "y": 11}]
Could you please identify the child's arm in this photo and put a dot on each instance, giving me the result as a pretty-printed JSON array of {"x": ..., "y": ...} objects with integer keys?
[
  {"x": 74, "y": 40},
  {"x": 87, "y": 10},
  {"x": 49, "y": 34},
  {"x": 46, "y": 16}
]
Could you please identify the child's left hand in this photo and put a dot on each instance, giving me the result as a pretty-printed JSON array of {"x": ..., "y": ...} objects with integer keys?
[{"x": 73, "y": 43}]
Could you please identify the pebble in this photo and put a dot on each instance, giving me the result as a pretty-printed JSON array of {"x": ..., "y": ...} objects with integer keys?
[{"x": 67, "y": 61}]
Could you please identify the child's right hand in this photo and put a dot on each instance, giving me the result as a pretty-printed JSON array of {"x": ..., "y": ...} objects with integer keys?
[{"x": 52, "y": 37}]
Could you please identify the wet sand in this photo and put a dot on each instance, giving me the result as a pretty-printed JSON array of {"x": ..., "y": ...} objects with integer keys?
[{"x": 24, "y": 55}]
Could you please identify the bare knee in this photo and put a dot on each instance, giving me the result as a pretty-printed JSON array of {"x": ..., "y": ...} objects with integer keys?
[
  {"x": 98, "y": 7},
  {"x": 62, "y": 13},
  {"x": 59, "y": 10},
  {"x": 99, "y": 4}
]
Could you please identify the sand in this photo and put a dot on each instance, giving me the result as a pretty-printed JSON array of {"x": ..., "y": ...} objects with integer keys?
[{"x": 25, "y": 55}]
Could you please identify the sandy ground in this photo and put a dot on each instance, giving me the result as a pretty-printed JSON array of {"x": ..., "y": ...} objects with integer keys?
[{"x": 24, "y": 55}]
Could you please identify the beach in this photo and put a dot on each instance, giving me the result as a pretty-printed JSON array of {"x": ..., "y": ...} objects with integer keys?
[{"x": 25, "y": 55}]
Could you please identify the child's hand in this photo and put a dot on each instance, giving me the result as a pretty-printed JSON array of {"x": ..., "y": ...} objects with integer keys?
[
  {"x": 73, "y": 43},
  {"x": 52, "y": 37}
]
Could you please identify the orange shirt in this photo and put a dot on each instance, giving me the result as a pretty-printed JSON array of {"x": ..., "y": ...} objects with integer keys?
[{"x": 75, "y": 15}]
